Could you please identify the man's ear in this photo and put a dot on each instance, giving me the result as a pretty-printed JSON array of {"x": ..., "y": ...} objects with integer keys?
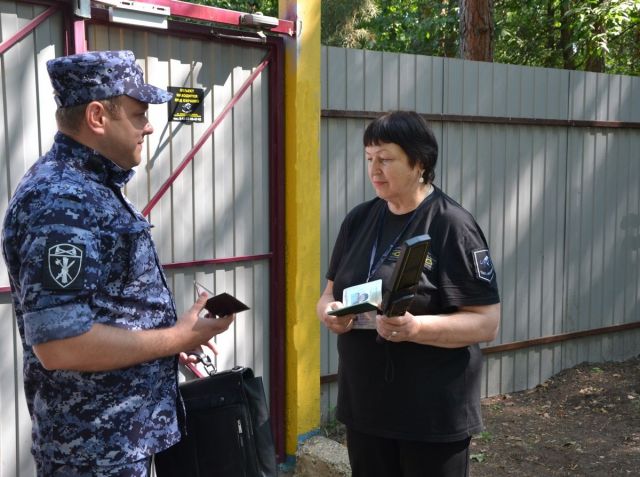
[{"x": 96, "y": 117}]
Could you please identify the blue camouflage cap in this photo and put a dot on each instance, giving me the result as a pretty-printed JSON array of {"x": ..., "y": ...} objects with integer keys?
[{"x": 96, "y": 75}]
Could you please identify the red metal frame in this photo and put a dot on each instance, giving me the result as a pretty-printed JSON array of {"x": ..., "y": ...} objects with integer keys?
[
  {"x": 79, "y": 36},
  {"x": 28, "y": 28},
  {"x": 75, "y": 42},
  {"x": 277, "y": 308},
  {"x": 216, "y": 15}
]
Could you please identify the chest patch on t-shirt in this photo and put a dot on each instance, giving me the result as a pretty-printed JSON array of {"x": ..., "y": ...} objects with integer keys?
[
  {"x": 483, "y": 265},
  {"x": 64, "y": 267}
]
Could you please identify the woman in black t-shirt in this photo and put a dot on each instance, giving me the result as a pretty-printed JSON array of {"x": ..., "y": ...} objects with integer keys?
[{"x": 411, "y": 402}]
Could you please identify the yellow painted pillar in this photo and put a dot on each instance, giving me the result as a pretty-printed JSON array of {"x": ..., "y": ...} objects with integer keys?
[{"x": 302, "y": 246}]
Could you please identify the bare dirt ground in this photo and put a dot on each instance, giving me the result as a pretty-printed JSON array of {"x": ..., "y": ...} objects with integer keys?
[{"x": 585, "y": 421}]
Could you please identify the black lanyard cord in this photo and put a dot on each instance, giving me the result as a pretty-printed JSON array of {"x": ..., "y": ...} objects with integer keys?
[{"x": 373, "y": 268}]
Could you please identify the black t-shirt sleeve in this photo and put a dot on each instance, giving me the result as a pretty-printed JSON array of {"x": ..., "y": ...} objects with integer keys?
[{"x": 465, "y": 270}]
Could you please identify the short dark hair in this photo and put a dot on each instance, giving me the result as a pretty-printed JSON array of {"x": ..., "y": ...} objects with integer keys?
[
  {"x": 70, "y": 119},
  {"x": 412, "y": 133}
]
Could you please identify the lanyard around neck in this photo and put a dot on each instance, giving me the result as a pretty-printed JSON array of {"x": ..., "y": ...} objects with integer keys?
[{"x": 373, "y": 268}]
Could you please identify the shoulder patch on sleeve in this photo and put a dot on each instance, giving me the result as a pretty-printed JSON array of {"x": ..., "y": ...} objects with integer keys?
[
  {"x": 63, "y": 268},
  {"x": 483, "y": 265}
]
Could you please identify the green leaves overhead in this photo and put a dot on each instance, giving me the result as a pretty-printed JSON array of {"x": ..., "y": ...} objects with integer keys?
[{"x": 594, "y": 35}]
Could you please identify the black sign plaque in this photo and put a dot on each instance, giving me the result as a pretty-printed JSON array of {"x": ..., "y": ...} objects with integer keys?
[{"x": 186, "y": 104}]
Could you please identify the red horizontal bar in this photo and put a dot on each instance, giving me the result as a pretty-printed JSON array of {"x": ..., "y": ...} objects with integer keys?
[
  {"x": 215, "y": 261},
  {"x": 216, "y": 15},
  {"x": 5, "y": 289},
  {"x": 28, "y": 28}
]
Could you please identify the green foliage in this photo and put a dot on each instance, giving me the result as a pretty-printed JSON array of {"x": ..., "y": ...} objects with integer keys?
[
  {"x": 344, "y": 23},
  {"x": 413, "y": 26},
  {"x": 479, "y": 457},
  {"x": 267, "y": 7},
  {"x": 592, "y": 35}
]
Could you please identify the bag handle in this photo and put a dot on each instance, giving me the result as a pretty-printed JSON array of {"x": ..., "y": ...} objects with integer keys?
[{"x": 203, "y": 358}]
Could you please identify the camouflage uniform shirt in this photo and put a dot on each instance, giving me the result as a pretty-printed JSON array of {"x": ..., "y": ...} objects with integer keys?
[{"x": 78, "y": 253}]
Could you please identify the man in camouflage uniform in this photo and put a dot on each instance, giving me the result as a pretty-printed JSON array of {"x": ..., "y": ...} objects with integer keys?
[{"x": 98, "y": 323}]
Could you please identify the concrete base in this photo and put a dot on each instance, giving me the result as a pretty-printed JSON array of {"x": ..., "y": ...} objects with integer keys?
[{"x": 322, "y": 457}]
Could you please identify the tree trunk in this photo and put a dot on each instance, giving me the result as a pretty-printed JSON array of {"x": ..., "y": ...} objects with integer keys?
[
  {"x": 595, "y": 52},
  {"x": 566, "y": 33},
  {"x": 476, "y": 30}
]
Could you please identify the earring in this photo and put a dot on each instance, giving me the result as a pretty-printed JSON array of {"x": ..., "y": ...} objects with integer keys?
[{"x": 421, "y": 180}]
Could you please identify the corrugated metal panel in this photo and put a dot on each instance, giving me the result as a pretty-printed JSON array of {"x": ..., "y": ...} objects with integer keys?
[
  {"x": 219, "y": 205},
  {"x": 559, "y": 205},
  {"x": 26, "y": 130}
]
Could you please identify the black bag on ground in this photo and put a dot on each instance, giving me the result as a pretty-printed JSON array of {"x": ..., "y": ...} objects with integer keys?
[{"x": 228, "y": 429}]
